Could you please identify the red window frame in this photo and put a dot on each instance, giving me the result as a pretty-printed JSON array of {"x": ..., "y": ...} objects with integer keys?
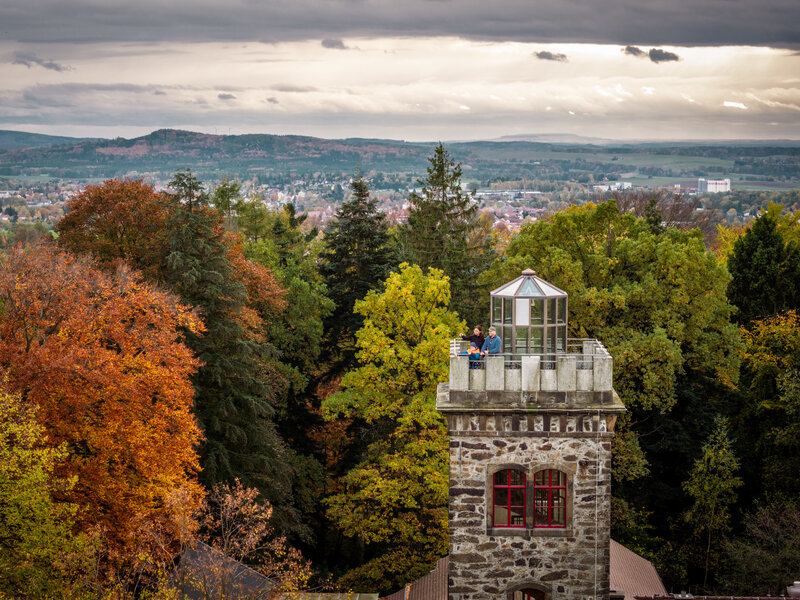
[
  {"x": 550, "y": 495},
  {"x": 502, "y": 486}
]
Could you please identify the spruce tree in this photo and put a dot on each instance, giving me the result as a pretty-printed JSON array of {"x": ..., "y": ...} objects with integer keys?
[
  {"x": 440, "y": 233},
  {"x": 765, "y": 272},
  {"x": 358, "y": 256},
  {"x": 231, "y": 392}
]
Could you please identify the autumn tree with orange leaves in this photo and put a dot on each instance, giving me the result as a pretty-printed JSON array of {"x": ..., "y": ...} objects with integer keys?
[
  {"x": 100, "y": 354},
  {"x": 178, "y": 241}
]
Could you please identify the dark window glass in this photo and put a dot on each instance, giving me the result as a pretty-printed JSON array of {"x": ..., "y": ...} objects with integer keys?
[
  {"x": 509, "y": 499},
  {"x": 562, "y": 310},
  {"x": 521, "y": 340},
  {"x": 550, "y": 499},
  {"x": 536, "y": 340},
  {"x": 537, "y": 312},
  {"x": 551, "y": 310},
  {"x": 497, "y": 310},
  {"x": 508, "y": 310}
]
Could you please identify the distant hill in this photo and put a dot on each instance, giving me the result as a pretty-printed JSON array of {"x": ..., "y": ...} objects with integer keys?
[
  {"x": 23, "y": 139},
  {"x": 278, "y": 158},
  {"x": 164, "y": 151},
  {"x": 558, "y": 138}
]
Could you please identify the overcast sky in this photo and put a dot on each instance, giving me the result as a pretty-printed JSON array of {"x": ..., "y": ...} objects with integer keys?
[{"x": 412, "y": 69}]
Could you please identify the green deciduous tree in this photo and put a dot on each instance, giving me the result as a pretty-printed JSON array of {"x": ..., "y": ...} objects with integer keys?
[
  {"x": 712, "y": 486},
  {"x": 657, "y": 301},
  {"x": 395, "y": 498},
  {"x": 440, "y": 233},
  {"x": 765, "y": 559},
  {"x": 37, "y": 549},
  {"x": 765, "y": 272},
  {"x": 768, "y": 416},
  {"x": 357, "y": 258}
]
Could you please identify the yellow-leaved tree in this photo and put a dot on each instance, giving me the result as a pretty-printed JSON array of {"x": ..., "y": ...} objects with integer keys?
[{"x": 395, "y": 498}]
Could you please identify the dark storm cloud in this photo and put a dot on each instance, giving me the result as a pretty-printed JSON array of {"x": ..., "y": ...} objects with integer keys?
[
  {"x": 545, "y": 55},
  {"x": 29, "y": 60},
  {"x": 657, "y": 55},
  {"x": 226, "y": 96},
  {"x": 333, "y": 44},
  {"x": 634, "y": 51},
  {"x": 651, "y": 23}
]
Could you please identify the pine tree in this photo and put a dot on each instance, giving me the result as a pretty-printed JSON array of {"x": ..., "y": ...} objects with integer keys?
[
  {"x": 357, "y": 258},
  {"x": 439, "y": 231},
  {"x": 765, "y": 272}
]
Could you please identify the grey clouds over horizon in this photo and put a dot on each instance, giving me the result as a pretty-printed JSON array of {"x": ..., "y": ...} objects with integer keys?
[
  {"x": 423, "y": 69},
  {"x": 770, "y": 23}
]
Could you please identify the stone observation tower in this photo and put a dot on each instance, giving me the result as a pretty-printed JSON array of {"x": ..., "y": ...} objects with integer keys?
[{"x": 530, "y": 455}]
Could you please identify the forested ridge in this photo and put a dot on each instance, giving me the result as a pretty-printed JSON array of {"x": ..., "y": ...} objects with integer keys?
[{"x": 189, "y": 366}]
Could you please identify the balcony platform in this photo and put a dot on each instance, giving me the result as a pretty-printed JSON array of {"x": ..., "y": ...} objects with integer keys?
[{"x": 577, "y": 380}]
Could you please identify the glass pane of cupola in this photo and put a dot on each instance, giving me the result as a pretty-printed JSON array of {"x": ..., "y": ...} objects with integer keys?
[
  {"x": 562, "y": 310},
  {"x": 528, "y": 288},
  {"x": 551, "y": 310},
  {"x": 507, "y": 310},
  {"x": 507, "y": 332},
  {"x": 536, "y": 340},
  {"x": 537, "y": 312},
  {"x": 497, "y": 310},
  {"x": 522, "y": 312},
  {"x": 521, "y": 340}
]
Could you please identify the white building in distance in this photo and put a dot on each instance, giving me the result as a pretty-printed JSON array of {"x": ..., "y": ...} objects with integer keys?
[{"x": 713, "y": 186}]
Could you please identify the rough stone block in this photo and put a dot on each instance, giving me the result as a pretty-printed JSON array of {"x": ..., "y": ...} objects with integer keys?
[
  {"x": 477, "y": 380},
  {"x": 548, "y": 380},
  {"x": 513, "y": 380},
  {"x": 566, "y": 367},
  {"x": 585, "y": 380},
  {"x": 603, "y": 373},
  {"x": 459, "y": 373},
  {"x": 530, "y": 373},
  {"x": 495, "y": 373}
]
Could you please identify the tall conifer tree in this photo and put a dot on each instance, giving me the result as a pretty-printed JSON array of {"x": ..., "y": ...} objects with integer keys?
[
  {"x": 440, "y": 231},
  {"x": 765, "y": 272},
  {"x": 358, "y": 256}
]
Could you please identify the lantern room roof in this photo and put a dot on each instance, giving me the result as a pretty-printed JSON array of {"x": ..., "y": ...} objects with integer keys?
[{"x": 528, "y": 285}]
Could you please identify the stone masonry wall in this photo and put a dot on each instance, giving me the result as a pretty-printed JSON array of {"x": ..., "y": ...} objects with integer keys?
[{"x": 568, "y": 564}]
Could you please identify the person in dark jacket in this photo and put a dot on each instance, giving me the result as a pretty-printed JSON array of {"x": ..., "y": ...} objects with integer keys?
[
  {"x": 492, "y": 344},
  {"x": 476, "y": 337}
]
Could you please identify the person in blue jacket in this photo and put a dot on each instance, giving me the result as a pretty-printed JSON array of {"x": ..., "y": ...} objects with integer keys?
[
  {"x": 492, "y": 344},
  {"x": 474, "y": 356}
]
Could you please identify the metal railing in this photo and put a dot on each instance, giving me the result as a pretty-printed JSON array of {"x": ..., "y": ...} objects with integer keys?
[{"x": 584, "y": 350}]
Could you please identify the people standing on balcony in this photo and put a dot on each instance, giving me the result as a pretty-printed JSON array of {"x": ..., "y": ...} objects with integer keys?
[
  {"x": 492, "y": 344},
  {"x": 476, "y": 337}
]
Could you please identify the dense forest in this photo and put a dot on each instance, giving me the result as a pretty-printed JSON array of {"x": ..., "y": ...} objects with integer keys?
[{"x": 189, "y": 366}]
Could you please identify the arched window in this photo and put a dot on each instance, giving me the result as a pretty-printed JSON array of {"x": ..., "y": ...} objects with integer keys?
[
  {"x": 509, "y": 498},
  {"x": 528, "y": 594},
  {"x": 550, "y": 499}
]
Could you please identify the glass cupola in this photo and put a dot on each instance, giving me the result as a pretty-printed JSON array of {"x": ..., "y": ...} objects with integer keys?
[{"x": 530, "y": 315}]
